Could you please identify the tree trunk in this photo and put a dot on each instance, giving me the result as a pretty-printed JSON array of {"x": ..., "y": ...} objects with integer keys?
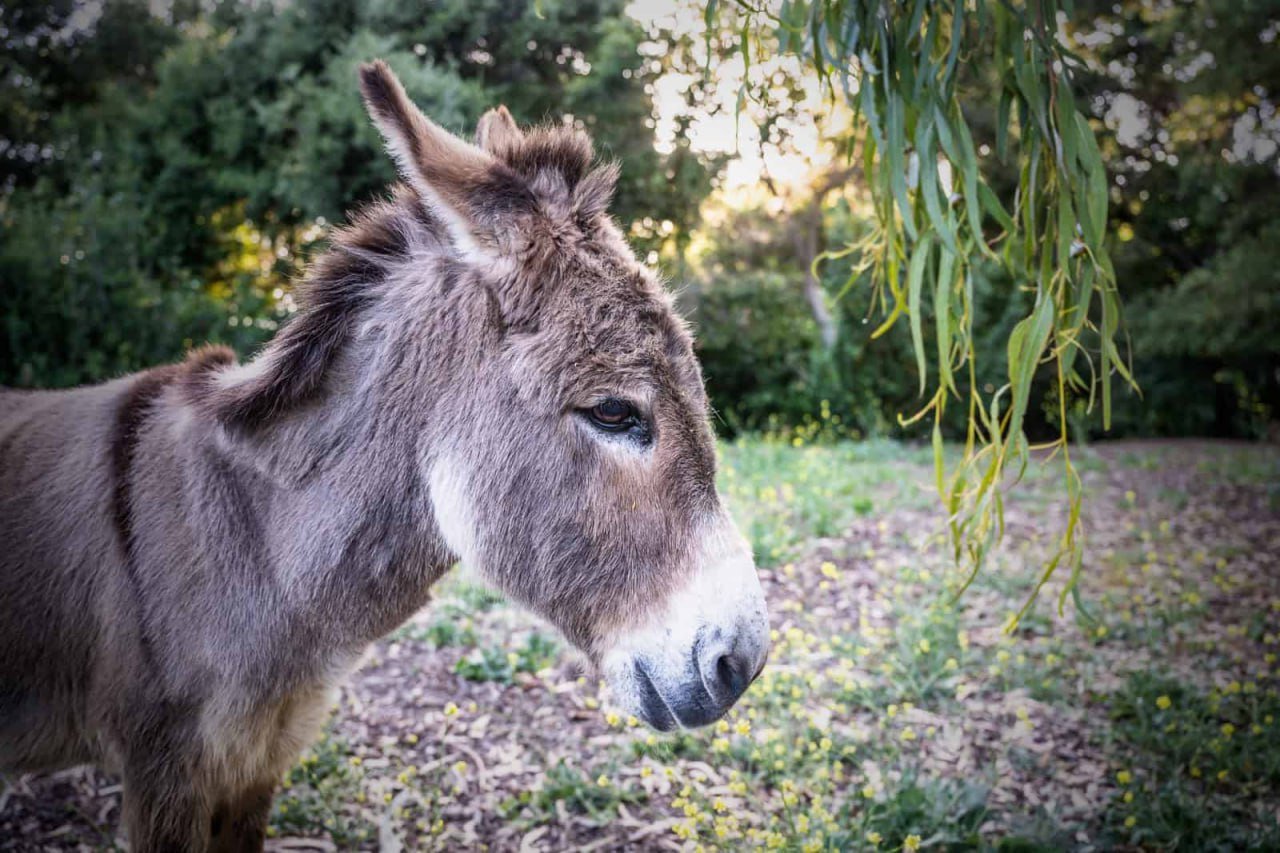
[{"x": 809, "y": 240}]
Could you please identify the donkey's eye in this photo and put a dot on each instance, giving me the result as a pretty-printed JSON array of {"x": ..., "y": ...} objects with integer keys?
[{"x": 613, "y": 415}]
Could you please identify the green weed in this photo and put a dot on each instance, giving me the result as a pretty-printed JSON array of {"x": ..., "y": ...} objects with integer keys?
[
  {"x": 319, "y": 792},
  {"x": 492, "y": 663}
]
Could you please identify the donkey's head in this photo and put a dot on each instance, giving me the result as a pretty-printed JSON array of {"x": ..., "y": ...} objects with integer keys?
[{"x": 571, "y": 461}]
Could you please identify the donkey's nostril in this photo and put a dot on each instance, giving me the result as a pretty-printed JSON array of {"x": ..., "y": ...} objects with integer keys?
[{"x": 733, "y": 674}]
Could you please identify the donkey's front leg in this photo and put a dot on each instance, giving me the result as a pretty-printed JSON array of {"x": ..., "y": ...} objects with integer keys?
[
  {"x": 167, "y": 806},
  {"x": 164, "y": 811},
  {"x": 240, "y": 821}
]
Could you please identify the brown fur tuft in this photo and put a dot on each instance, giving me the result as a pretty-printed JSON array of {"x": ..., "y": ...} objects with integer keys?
[
  {"x": 497, "y": 132},
  {"x": 209, "y": 357}
]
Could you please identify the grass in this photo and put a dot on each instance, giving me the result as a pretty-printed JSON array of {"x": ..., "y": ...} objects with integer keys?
[
  {"x": 1201, "y": 763},
  {"x": 495, "y": 663},
  {"x": 316, "y": 793},
  {"x": 891, "y": 716},
  {"x": 563, "y": 786},
  {"x": 784, "y": 496}
]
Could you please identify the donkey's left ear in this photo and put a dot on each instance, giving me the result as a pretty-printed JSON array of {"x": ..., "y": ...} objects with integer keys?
[{"x": 466, "y": 187}]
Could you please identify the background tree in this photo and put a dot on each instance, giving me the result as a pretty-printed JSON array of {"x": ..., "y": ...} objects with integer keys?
[
  {"x": 1192, "y": 139},
  {"x": 166, "y": 176}
]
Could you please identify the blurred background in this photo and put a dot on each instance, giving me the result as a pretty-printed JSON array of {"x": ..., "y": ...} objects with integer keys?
[{"x": 167, "y": 169}]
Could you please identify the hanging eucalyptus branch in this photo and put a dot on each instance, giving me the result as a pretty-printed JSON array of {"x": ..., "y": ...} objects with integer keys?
[{"x": 896, "y": 64}]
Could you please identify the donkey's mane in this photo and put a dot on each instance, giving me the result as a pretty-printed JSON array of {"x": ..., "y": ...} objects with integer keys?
[{"x": 342, "y": 283}]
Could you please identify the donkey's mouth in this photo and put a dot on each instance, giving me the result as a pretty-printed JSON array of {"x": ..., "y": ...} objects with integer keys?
[
  {"x": 654, "y": 710},
  {"x": 689, "y": 709}
]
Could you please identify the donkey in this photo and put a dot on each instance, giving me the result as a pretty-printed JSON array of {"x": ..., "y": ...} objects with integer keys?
[{"x": 192, "y": 557}]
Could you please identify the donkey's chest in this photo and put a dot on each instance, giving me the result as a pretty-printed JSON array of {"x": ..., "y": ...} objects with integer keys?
[{"x": 244, "y": 743}]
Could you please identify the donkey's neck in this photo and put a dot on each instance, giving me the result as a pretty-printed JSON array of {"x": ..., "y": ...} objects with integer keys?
[
  {"x": 344, "y": 529},
  {"x": 346, "y": 395}
]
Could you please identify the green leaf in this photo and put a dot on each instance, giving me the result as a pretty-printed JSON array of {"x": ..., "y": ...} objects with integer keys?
[
  {"x": 1066, "y": 226},
  {"x": 1026, "y": 344},
  {"x": 929, "y": 186},
  {"x": 1096, "y": 187},
  {"x": 915, "y": 283},
  {"x": 942, "y": 317},
  {"x": 1002, "y": 123},
  {"x": 939, "y": 460},
  {"x": 897, "y": 148},
  {"x": 992, "y": 205}
]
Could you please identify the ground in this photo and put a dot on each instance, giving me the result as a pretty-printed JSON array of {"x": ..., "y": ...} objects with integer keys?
[{"x": 1139, "y": 715}]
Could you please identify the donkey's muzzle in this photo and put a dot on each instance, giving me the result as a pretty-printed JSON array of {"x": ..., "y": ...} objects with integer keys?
[
  {"x": 692, "y": 660},
  {"x": 716, "y": 675}
]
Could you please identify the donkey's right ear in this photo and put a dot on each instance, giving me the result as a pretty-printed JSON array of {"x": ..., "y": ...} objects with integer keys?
[
  {"x": 465, "y": 186},
  {"x": 498, "y": 132}
]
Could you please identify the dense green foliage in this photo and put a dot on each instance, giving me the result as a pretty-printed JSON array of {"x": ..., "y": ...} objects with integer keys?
[
  {"x": 937, "y": 221},
  {"x": 767, "y": 367},
  {"x": 1187, "y": 93},
  {"x": 165, "y": 178}
]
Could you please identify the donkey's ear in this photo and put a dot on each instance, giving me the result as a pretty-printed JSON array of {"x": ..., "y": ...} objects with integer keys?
[
  {"x": 497, "y": 132},
  {"x": 465, "y": 186}
]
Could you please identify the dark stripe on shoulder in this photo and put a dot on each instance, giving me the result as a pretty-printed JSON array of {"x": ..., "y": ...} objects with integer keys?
[{"x": 131, "y": 417}]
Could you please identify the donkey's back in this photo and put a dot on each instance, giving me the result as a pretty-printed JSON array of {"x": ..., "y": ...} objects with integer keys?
[{"x": 57, "y": 565}]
